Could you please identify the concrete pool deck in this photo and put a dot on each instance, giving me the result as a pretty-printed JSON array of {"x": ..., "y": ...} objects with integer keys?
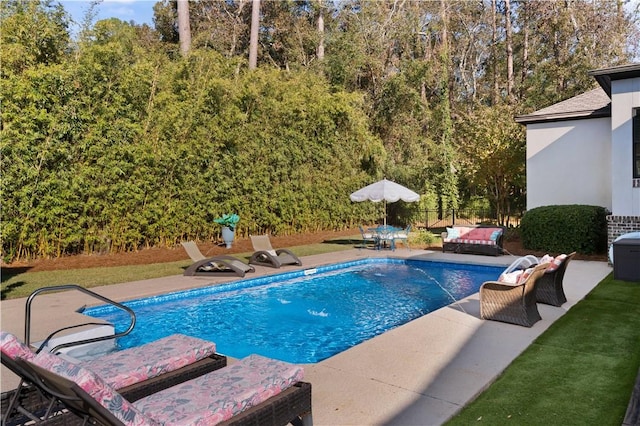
[{"x": 420, "y": 373}]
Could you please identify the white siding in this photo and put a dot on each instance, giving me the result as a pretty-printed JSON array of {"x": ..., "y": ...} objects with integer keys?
[
  {"x": 625, "y": 95},
  {"x": 569, "y": 162}
]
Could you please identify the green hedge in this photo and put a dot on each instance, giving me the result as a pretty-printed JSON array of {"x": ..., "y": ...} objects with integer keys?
[{"x": 564, "y": 229}]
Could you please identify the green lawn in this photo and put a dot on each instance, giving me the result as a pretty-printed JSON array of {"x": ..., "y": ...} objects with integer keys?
[
  {"x": 24, "y": 283},
  {"x": 581, "y": 371}
]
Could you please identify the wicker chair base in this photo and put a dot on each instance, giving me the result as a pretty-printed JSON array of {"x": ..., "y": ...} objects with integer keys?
[
  {"x": 549, "y": 288},
  {"x": 515, "y": 304},
  {"x": 293, "y": 405},
  {"x": 33, "y": 401},
  {"x": 548, "y": 292}
]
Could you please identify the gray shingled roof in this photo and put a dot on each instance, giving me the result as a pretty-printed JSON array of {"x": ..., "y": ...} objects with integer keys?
[{"x": 594, "y": 103}]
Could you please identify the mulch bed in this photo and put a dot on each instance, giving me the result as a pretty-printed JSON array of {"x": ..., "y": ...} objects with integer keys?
[{"x": 241, "y": 245}]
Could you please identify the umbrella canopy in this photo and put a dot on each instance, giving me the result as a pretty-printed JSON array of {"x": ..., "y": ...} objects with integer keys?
[{"x": 387, "y": 191}]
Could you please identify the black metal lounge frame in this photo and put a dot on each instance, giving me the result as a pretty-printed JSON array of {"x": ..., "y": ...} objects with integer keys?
[
  {"x": 230, "y": 266},
  {"x": 549, "y": 289},
  {"x": 32, "y": 400},
  {"x": 512, "y": 303},
  {"x": 293, "y": 405}
]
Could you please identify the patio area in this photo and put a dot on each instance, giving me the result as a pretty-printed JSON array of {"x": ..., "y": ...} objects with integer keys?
[{"x": 421, "y": 373}]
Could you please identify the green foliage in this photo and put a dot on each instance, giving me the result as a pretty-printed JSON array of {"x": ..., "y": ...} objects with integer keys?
[
  {"x": 228, "y": 220},
  {"x": 563, "y": 229},
  {"x": 421, "y": 238},
  {"x": 120, "y": 148}
]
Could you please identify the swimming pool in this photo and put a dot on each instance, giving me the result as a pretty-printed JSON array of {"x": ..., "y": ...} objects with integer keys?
[{"x": 303, "y": 316}]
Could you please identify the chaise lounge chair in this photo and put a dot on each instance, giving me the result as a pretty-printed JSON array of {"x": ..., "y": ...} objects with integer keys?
[
  {"x": 255, "y": 390},
  {"x": 265, "y": 255},
  {"x": 135, "y": 372},
  {"x": 549, "y": 289},
  {"x": 221, "y": 265},
  {"x": 512, "y": 303}
]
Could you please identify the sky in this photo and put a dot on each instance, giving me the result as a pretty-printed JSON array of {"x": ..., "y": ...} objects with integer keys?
[{"x": 139, "y": 11}]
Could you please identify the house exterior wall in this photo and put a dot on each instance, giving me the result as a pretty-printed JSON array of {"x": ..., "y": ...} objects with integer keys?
[
  {"x": 625, "y": 95},
  {"x": 569, "y": 162}
]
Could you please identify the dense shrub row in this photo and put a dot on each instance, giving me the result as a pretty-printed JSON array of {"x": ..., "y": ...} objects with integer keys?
[
  {"x": 122, "y": 148},
  {"x": 564, "y": 229}
]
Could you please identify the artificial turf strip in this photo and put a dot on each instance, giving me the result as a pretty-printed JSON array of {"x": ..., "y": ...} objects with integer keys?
[{"x": 580, "y": 371}]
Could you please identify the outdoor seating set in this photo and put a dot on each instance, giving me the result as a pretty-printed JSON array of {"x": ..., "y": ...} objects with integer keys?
[
  {"x": 473, "y": 240},
  {"x": 224, "y": 265},
  {"x": 385, "y": 236},
  {"x": 175, "y": 380},
  {"x": 514, "y": 297}
]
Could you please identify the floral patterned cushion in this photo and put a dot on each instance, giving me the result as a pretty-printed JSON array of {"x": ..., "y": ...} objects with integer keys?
[
  {"x": 134, "y": 365},
  {"x": 97, "y": 388},
  {"x": 13, "y": 347},
  {"x": 555, "y": 263},
  {"x": 221, "y": 394}
]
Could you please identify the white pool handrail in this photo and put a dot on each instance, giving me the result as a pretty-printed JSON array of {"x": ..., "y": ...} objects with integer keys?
[{"x": 523, "y": 262}]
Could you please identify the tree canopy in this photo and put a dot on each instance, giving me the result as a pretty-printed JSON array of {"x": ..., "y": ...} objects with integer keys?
[{"x": 112, "y": 140}]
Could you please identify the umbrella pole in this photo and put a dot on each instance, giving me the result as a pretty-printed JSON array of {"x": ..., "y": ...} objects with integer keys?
[{"x": 385, "y": 213}]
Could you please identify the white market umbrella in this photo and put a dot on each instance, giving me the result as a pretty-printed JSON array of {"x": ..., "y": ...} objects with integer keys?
[{"x": 385, "y": 191}]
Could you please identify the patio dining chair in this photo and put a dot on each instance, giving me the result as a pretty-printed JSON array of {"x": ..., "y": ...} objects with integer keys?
[
  {"x": 135, "y": 372},
  {"x": 368, "y": 237},
  {"x": 254, "y": 390},
  {"x": 265, "y": 255},
  {"x": 402, "y": 236}
]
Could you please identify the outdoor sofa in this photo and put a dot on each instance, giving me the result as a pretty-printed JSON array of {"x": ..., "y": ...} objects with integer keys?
[{"x": 481, "y": 239}]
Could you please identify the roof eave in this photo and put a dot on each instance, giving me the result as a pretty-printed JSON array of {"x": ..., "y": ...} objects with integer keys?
[
  {"x": 577, "y": 115},
  {"x": 604, "y": 76}
]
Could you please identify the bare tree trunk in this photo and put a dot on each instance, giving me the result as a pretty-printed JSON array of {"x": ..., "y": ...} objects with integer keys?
[
  {"x": 494, "y": 44},
  {"x": 525, "y": 49},
  {"x": 509, "y": 36},
  {"x": 320, "y": 49},
  {"x": 253, "y": 40},
  {"x": 184, "y": 28}
]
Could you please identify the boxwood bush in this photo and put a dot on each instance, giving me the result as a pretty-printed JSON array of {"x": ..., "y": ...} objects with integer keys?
[{"x": 564, "y": 229}]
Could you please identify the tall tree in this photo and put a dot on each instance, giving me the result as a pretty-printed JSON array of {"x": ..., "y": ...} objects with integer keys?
[
  {"x": 255, "y": 31},
  {"x": 320, "y": 21},
  {"x": 509, "y": 45},
  {"x": 184, "y": 27}
]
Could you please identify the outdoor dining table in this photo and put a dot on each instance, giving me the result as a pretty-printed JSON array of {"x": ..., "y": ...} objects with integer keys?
[{"x": 384, "y": 234}]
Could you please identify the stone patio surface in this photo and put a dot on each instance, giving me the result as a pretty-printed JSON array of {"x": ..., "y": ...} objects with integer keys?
[{"x": 421, "y": 373}]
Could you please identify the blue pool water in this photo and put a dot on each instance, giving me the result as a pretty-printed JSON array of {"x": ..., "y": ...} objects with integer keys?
[{"x": 303, "y": 316}]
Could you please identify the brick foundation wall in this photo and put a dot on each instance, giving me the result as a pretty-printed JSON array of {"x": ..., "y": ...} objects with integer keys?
[{"x": 620, "y": 225}]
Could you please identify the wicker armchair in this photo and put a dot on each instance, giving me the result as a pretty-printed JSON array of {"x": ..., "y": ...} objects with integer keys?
[
  {"x": 549, "y": 289},
  {"x": 512, "y": 303}
]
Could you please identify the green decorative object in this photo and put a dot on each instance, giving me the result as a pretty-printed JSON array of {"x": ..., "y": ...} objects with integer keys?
[{"x": 228, "y": 222}]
